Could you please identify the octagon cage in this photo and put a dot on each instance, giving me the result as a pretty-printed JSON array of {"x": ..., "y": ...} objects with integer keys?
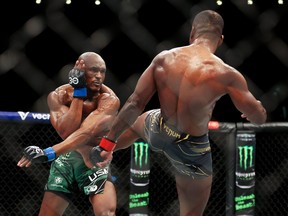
[{"x": 243, "y": 154}]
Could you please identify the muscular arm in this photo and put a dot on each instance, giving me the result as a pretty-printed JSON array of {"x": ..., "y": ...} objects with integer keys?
[
  {"x": 125, "y": 140},
  {"x": 65, "y": 119},
  {"x": 134, "y": 106},
  {"x": 96, "y": 124},
  {"x": 133, "y": 133},
  {"x": 245, "y": 102}
]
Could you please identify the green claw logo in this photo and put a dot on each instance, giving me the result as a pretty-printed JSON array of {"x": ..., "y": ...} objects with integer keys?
[
  {"x": 141, "y": 150},
  {"x": 245, "y": 156}
]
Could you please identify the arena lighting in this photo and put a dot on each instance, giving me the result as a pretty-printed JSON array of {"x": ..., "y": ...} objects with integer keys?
[
  {"x": 219, "y": 2},
  {"x": 214, "y": 125},
  {"x": 280, "y": 2},
  {"x": 98, "y": 2},
  {"x": 250, "y": 2}
]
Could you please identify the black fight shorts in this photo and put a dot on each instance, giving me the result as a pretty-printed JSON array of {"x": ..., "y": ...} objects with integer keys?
[{"x": 189, "y": 155}]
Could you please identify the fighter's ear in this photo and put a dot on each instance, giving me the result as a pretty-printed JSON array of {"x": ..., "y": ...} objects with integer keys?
[
  {"x": 221, "y": 40},
  {"x": 192, "y": 33}
]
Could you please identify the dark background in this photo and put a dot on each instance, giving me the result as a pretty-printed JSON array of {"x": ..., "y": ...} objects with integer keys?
[{"x": 40, "y": 43}]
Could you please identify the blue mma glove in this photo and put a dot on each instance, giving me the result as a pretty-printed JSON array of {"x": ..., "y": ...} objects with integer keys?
[
  {"x": 78, "y": 82},
  {"x": 38, "y": 155}
]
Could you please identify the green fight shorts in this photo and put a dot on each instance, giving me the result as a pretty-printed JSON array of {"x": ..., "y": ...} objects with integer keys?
[{"x": 69, "y": 174}]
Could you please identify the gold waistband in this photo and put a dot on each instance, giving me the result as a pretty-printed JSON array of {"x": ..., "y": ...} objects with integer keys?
[{"x": 171, "y": 132}]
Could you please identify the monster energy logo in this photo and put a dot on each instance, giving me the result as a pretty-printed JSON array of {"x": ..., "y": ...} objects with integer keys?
[
  {"x": 245, "y": 156},
  {"x": 139, "y": 169},
  {"x": 141, "y": 150}
]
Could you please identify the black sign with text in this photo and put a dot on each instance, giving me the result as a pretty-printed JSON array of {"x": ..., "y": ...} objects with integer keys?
[
  {"x": 245, "y": 173},
  {"x": 139, "y": 179}
]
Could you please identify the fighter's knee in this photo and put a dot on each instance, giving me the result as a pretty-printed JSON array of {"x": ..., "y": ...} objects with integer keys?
[
  {"x": 110, "y": 212},
  {"x": 104, "y": 209}
]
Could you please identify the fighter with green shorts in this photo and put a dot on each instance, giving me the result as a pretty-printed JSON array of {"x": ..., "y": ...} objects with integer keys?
[{"x": 69, "y": 173}]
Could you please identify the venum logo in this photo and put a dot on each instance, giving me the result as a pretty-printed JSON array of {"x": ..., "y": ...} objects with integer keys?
[
  {"x": 23, "y": 115},
  {"x": 41, "y": 116},
  {"x": 38, "y": 116}
]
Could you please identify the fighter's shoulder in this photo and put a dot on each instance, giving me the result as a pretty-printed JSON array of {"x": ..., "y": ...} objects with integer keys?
[
  {"x": 231, "y": 70},
  {"x": 163, "y": 55},
  {"x": 229, "y": 73},
  {"x": 63, "y": 89},
  {"x": 106, "y": 89},
  {"x": 108, "y": 97},
  {"x": 61, "y": 92},
  {"x": 222, "y": 66},
  {"x": 108, "y": 102}
]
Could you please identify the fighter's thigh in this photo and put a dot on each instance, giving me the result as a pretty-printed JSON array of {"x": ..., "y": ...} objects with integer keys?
[
  {"x": 106, "y": 201},
  {"x": 53, "y": 204},
  {"x": 193, "y": 194}
]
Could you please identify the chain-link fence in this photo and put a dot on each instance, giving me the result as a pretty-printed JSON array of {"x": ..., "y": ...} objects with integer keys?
[
  {"x": 253, "y": 42},
  {"x": 22, "y": 188}
]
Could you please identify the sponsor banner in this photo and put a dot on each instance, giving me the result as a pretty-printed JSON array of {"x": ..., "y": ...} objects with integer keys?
[
  {"x": 245, "y": 173},
  {"x": 139, "y": 178},
  {"x": 25, "y": 116},
  {"x": 138, "y": 200},
  {"x": 140, "y": 164}
]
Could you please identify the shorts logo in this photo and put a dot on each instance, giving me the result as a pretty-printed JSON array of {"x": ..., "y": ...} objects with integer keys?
[
  {"x": 99, "y": 174},
  {"x": 171, "y": 132},
  {"x": 58, "y": 180},
  {"x": 92, "y": 189}
]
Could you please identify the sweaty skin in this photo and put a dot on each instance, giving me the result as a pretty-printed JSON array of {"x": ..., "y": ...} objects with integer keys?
[
  {"x": 95, "y": 110},
  {"x": 189, "y": 80},
  {"x": 81, "y": 122}
]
